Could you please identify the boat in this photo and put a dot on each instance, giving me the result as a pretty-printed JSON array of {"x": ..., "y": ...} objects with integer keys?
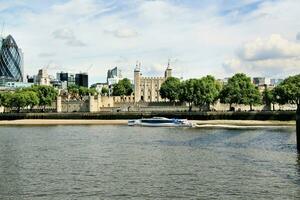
[{"x": 160, "y": 122}]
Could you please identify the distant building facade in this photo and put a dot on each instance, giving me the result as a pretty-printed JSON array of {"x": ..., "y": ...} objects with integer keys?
[
  {"x": 146, "y": 89},
  {"x": 99, "y": 86},
  {"x": 17, "y": 85},
  {"x": 11, "y": 61},
  {"x": 114, "y": 73},
  {"x": 66, "y": 79},
  {"x": 275, "y": 81},
  {"x": 258, "y": 81},
  {"x": 43, "y": 78},
  {"x": 82, "y": 79},
  {"x": 113, "y": 77}
]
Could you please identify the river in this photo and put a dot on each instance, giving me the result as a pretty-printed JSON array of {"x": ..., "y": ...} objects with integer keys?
[{"x": 120, "y": 162}]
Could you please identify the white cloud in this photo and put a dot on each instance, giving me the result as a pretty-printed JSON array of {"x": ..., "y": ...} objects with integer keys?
[
  {"x": 123, "y": 33},
  {"x": 68, "y": 36},
  {"x": 275, "y": 47},
  {"x": 275, "y": 56},
  {"x": 152, "y": 31}
]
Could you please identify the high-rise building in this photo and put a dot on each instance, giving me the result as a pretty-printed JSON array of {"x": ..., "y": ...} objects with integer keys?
[
  {"x": 258, "y": 81},
  {"x": 43, "y": 77},
  {"x": 113, "y": 77},
  {"x": 68, "y": 79},
  {"x": 114, "y": 73},
  {"x": 11, "y": 60},
  {"x": 275, "y": 81},
  {"x": 82, "y": 79}
]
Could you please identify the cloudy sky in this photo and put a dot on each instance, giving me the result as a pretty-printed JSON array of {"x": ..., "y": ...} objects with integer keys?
[{"x": 218, "y": 37}]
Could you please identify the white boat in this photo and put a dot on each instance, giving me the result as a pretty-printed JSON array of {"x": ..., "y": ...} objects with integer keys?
[{"x": 160, "y": 122}]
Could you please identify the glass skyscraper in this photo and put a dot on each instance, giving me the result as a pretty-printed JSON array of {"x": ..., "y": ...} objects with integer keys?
[{"x": 11, "y": 60}]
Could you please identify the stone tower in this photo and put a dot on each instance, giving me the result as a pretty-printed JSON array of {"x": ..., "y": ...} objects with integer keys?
[
  {"x": 137, "y": 82},
  {"x": 168, "y": 72}
]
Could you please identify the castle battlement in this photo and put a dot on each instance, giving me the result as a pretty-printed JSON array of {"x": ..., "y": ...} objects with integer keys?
[{"x": 146, "y": 88}]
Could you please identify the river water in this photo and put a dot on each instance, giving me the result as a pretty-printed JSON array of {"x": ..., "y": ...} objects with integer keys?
[{"x": 120, "y": 162}]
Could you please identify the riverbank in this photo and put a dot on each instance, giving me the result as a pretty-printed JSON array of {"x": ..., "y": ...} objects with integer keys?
[
  {"x": 217, "y": 115},
  {"x": 199, "y": 123}
]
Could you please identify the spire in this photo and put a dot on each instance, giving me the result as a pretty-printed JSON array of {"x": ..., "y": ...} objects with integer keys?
[
  {"x": 137, "y": 66},
  {"x": 169, "y": 66}
]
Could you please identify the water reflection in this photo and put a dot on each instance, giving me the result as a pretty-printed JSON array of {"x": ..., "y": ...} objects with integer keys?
[{"x": 119, "y": 162}]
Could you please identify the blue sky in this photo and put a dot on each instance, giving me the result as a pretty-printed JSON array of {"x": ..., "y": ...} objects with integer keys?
[{"x": 218, "y": 37}]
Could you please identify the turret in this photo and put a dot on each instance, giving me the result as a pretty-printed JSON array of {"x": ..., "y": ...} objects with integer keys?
[
  {"x": 137, "y": 82},
  {"x": 168, "y": 72}
]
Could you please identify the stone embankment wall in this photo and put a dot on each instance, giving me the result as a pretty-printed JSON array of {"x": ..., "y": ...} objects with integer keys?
[
  {"x": 278, "y": 115},
  {"x": 117, "y": 104}
]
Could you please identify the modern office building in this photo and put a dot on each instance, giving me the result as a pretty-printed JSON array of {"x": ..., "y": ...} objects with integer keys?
[
  {"x": 114, "y": 73},
  {"x": 113, "y": 77},
  {"x": 275, "y": 81},
  {"x": 258, "y": 81},
  {"x": 65, "y": 77},
  {"x": 68, "y": 79},
  {"x": 82, "y": 79},
  {"x": 11, "y": 61}
]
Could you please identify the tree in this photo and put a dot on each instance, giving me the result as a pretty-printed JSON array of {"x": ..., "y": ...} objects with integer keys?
[
  {"x": 240, "y": 90},
  {"x": 206, "y": 91},
  {"x": 46, "y": 94},
  {"x": 104, "y": 91},
  {"x": 122, "y": 88},
  {"x": 5, "y": 99},
  {"x": 268, "y": 98},
  {"x": 187, "y": 92},
  {"x": 73, "y": 91},
  {"x": 32, "y": 99},
  {"x": 288, "y": 91},
  {"x": 170, "y": 89}
]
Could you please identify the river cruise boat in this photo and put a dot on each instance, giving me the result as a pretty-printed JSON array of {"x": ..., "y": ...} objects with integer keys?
[{"x": 160, "y": 122}]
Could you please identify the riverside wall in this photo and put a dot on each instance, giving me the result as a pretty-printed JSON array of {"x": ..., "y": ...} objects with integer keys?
[{"x": 263, "y": 115}]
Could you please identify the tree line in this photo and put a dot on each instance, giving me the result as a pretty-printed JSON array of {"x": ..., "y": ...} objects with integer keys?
[
  {"x": 36, "y": 95},
  {"x": 239, "y": 89}
]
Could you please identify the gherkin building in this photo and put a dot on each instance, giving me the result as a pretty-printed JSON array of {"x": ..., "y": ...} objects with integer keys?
[{"x": 11, "y": 61}]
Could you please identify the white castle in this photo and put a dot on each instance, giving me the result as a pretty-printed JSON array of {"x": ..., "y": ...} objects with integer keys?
[{"x": 146, "y": 89}]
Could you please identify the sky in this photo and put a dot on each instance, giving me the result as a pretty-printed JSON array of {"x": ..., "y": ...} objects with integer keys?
[{"x": 217, "y": 37}]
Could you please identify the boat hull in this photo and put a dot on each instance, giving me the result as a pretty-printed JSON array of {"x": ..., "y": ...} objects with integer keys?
[{"x": 178, "y": 123}]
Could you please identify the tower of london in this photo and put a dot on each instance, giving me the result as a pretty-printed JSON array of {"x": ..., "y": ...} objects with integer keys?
[{"x": 146, "y": 89}]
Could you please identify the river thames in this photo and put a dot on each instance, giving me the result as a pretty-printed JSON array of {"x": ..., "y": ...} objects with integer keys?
[{"x": 120, "y": 162}]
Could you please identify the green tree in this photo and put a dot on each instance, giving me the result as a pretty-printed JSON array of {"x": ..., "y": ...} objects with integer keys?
[
  {"x": 122, "y": 88},
  {"x": 170, "y": 89},
  {"x": 32, "y": 99},
  {"x": 187, "y": 92},
  {"x": 46, "y": 94},
  {"x": 73, "y": 91},
  {"x": 240, "y": 90},
  {"x": 104, "y": 91},
  {"x": 5, "y": 99},
  {"x": 289, "y": 91},
  {"x": 206, "y": 92},
  {"x": 18, "y": 100},
  {"x": 268, "y": 98}
]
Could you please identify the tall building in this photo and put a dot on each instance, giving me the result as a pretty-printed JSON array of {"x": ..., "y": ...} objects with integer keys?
[
  {"x": 113, "y": 74},
  {"x": 113, "y": 77},
  {"x": 259, "y": 81},
  {"x": 146, "y": 89},
  {"x": 43, "y": 78},
  {"x": 68, "y": 79},
  {"x": 11, "y": 60},
  {"x": 275, "y": 81},
  {"x": 82, "y": 79}
]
